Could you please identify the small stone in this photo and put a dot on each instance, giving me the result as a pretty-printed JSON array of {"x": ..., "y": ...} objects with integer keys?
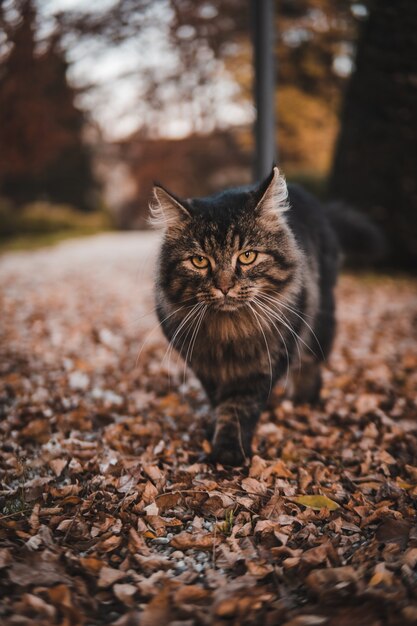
[{"x": 78, "y": 380}]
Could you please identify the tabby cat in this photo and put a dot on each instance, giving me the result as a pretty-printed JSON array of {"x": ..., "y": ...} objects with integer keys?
[{"x": 244, "y": 292}]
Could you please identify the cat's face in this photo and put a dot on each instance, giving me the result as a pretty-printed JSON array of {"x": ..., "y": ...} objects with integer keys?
[{"x": 227, "y": 250}]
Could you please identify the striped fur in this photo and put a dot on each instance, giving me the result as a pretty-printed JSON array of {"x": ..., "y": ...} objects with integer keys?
[{"x": 277, "y": 318}]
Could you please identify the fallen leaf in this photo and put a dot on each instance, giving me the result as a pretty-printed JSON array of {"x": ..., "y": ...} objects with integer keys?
[
  {"x": 325, "y": 582},
  {"x": 394, "y": 531},
  {"x": 251, "y": 485},
  {"x": 41, "y": 569},
  {"x": 5, "y": 558},
  {"x": 381, "y": 575},
  {"x": 152, "y": 509},
  {"x": 125, "y": 593},
  {"x": 109, "y": 575},
  {"x": 191, "y": 594},
  {"x": 166, "y": 501},
  {"x": 58, "y": 466},
  {"x": 317, "y": 502},
  {"x": 185, "y": 541},
  {"x": 110, "y": 544}
]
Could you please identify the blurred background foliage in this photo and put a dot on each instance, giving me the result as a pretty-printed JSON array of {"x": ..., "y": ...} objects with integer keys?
[{"x": 98, "y": 99}]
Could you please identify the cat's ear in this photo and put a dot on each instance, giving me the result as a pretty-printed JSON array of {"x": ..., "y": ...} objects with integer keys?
[
  {"x": 166, "y": 210},
  {"x": 272, "y": 195}
]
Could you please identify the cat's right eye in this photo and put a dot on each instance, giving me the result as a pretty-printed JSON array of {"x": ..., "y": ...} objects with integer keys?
[{"x": 201, "y": 262}]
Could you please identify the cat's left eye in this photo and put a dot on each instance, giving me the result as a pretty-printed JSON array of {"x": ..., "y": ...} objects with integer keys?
[{"x": 248, "y": 257}]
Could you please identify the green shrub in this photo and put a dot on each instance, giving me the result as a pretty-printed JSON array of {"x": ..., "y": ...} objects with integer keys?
[
  {"x": 43, "y": 218},
  {"x": 40, "y": 223}
]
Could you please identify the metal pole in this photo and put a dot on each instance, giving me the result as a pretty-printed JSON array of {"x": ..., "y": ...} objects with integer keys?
[{"x": 264, "y": 87}]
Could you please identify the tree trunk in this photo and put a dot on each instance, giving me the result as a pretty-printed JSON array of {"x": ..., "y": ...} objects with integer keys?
[{"x": 375, "y": 165}]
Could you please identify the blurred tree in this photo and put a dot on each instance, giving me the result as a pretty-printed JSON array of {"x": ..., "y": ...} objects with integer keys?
[
  {"x": 201, "y": 65},
  {"x": 375, "y": 163},
  {"x": 209, "y": 42},
  {"x": 42, "y": 153},
  {"x": 179, "y": 163},
  {"x": 314, "y": 48}
]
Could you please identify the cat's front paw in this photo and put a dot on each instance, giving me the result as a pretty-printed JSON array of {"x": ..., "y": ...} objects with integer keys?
[
  {"x": 227, "y": 456},
  {"x": 228, "y": 447}
]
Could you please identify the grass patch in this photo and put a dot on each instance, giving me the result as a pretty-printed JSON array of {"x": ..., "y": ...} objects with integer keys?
[{"x": 42, "y": 224}]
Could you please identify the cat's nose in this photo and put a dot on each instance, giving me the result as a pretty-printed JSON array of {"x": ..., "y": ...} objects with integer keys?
[{"x": 224, "y": 283}]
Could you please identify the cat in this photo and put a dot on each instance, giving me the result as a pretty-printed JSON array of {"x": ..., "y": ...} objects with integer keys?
[{"x": 245, "y": 293}]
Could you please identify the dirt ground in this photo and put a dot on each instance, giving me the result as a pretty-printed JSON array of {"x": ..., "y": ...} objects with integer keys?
[{"x": 108, "y": 517}]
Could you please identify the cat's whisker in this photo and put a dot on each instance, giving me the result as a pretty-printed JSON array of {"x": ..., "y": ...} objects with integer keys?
[
  {"x": 277, "y": 301},
  {"x": 181, "y": 326},
  {"x": 259, "y": 304},
  {"x": 191, "y": 330},
  {"x": 198, "y": 330},
  {"x": 290, "y": 304},
  {"x": 170, "y": 345},
  {"x": 152, "y": 311},
  {"x": 190, "y": 348},
  {"x": 266, "y": 345},
  {"x": 292, "y": 309},
  {"x": 184, "y": 329},
  {"x": 154, "y": 328},
  {"x": 285, "y": 322}
]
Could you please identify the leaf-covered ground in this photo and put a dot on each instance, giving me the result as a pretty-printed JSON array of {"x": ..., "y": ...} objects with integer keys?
[{"x": 108, "y": 517}]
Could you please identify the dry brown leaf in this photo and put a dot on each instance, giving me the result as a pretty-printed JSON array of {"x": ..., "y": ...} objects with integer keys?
[
  {"x": 316, "y": 556},
  {"x": 39, "y": 605},
  {"x": 191, "y": 594},
  {"x": 325, "y": 581},
  {"x": 110, "y": 544},
  {"x": 257, "y": 466},
  {"x": 149, "y": 493},
  {"x": 382, "y": 576},
  {"x": 125, "y": 593},
  {"x": 166, "y": 501},
  {"x": 159, "y": 610},
  {"x": 394, "y": 531},
  {"x": 154, "y": 473},
  {"x": 127, "y": 483},
  {"x": 91, "y": 564},
  {"x": 412, "y": 472},
  {"x": 109, "y": 575},
  {"x": 153, "y": 563},
  {"x": 198, "y": 541},
  {"x": 280, "y": 469},
  {"x": 259, "y": 569},
  {"x": 58, "y": 466},
  {"x": 151, "y": 510},
  {"x": 37, "y": 429},
  {"x": 5, "y": 558},
  {"x": 251, "y": 485},
  {"x": 226, "y": 608},
  {"x": 43, "y": 569}
]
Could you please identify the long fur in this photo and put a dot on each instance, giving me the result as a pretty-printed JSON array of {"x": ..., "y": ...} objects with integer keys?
[{"x": 277, "y": 319}]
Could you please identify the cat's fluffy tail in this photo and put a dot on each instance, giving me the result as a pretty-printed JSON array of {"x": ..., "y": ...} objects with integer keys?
[{"x": 361, "y": 241}]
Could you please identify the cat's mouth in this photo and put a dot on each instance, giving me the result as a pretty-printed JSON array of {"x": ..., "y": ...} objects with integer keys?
[{"x": 227, "y": 304}]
